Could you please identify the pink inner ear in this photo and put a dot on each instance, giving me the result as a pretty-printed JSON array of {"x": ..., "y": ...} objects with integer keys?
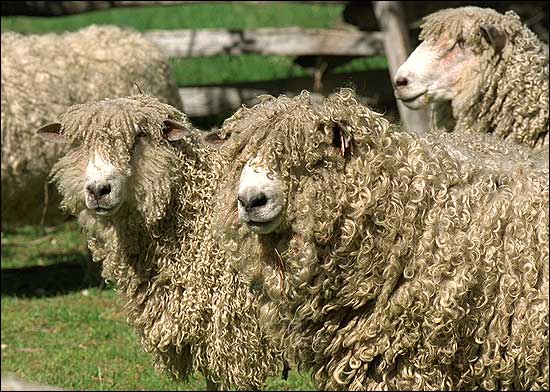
[
  {"x": 174, "y": 131},
  {"x": 175, "y": 134}
]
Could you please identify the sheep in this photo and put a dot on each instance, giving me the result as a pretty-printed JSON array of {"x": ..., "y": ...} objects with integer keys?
[
  {"x": 479, "y": 71},
  {"x": 141, "y": 178},
  {"x": 42, "y": 75},
  {"x": 386, "y": 261}
]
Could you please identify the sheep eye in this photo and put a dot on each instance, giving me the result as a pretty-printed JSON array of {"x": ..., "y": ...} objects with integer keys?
[
  {"x": 339, "y": 140},
  {"x": 139, "y": 136},
  {"x": 458, "y": 43}
]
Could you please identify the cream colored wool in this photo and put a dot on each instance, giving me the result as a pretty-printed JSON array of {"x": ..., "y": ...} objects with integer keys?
[
  {"x": 42, "y": 75},
  {"x": 191, "y": 310},
  {"x": 508, "y": 94},
  {"x": 401, "y": 263}
]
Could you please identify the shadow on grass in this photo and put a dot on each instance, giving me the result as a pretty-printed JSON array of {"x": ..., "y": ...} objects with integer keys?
[{"x": 58, "y": 277}]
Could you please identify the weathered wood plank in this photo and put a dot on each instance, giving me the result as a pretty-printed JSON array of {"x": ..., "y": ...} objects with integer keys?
[
  {"x": 374, "y": 86},
  {"x": 287, "y": 41},
  {"x": 209, "y": 101}
]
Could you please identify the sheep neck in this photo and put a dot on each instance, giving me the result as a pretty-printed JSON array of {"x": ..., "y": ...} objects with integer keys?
[{"x": 508, "y": 97}]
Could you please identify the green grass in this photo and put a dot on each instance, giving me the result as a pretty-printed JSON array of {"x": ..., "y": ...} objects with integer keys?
[
  {"x": 28, "y": 245},
  {"x": 250, "y": 68},
  {"x": 218, "y": 69},
  {"x": 190, "y": 16},
  {"x": 231, "y": 69},
  {"x": 77, "y": 342},
  {"x": 363, "y": 64},
  {"x": 60, "y": 328}
]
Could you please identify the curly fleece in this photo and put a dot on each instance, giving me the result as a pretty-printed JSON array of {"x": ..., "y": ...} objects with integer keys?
[
  {"x": 42, "y": 75},
  {"x": 508, "y": 93},
  {"x": 191, "y": 310},
  {"x": 397, "y": 266}
]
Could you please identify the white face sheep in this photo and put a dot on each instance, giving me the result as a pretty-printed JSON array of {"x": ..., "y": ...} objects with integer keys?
[
  {"x": 385, "y": 262},
  {"x": 104, "y": 186},
  {"x": 44, "y": 74},
  {"x": 480, "y": 71},
  {"x": 260, "y": 199},
  {"x": 140, "y": 179}
]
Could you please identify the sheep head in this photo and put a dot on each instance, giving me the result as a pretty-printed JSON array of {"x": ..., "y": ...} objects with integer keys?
[
  {"x": 457, "y": 45},
  {"x": 274, "y": 146},
  {"x": 121, "y": 151},
  {"x": 292, "y": 163}
]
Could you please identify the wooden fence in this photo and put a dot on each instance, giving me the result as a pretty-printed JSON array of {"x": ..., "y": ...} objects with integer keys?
[
  {"x": 329, "y": 48},
  {"x": 324, "y": 44},
  {"x": 283, "y": 41},
  {"x": 374, "y": 86},
  {"x": 290, "y": 41}
]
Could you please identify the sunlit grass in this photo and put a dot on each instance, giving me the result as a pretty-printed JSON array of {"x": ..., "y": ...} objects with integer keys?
[
  {"x": 59, "y": 327},
  {"x": 189, "y": 16}
]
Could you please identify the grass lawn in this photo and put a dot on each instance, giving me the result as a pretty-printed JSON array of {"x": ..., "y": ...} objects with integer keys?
[
  {"x": 188, "y": 16},
  {"x": 60, "y": 328}
]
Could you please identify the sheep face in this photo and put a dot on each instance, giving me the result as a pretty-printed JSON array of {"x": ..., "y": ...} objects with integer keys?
[
  {"x": 263, "y": 188},
  {"x": 104, "y": 186},
  {"x": 115, "y": 162},
  {"x": 281, "y": 156},
  {"x": 446, "y": 66},
  {"x": 433, "y": 73},
  {"x": 260, "y": 198}
]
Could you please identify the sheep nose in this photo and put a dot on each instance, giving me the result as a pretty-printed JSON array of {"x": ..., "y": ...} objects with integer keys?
[
  {"x": 252, "y": 199},
  {"x": 401, "y": 81},
  {"x": 98, "y": 190}
]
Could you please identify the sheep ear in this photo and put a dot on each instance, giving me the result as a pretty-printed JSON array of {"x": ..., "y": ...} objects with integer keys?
[
  {"x": 494, "y": 35},
  {"x": 174, "y": 131},
  {"x": 214, "y": 139},
  {"x": 51, "y": 133}
]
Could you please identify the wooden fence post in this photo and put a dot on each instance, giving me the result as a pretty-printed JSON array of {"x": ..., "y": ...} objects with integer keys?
[{"x": 397, "y": 46}]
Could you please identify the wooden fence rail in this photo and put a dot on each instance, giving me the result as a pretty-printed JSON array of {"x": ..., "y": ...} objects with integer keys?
[
  {"x": 203, "y": 101},
  {"x": 289, "y": 41}
]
